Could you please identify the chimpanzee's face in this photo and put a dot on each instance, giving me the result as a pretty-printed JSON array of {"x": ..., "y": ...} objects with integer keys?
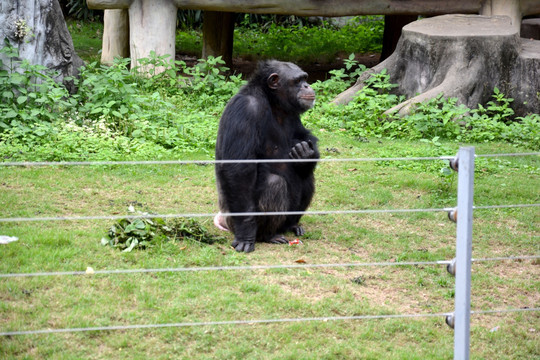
[
  {"x": 291, "y": 87},
  {"x": 305, "y": 95}
]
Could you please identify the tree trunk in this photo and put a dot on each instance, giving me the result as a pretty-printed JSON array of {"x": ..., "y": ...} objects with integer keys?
[
  {"x": 115, "y": 35},
  {"x": 39, "y": 31},
  {"x": 218, "y": 31},
  {"x": 462, "y": 56},
  {"x": 152, "y": 26}
]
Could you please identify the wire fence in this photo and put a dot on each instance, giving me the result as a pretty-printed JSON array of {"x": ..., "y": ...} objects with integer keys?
[
  {"x": 92, "y": 271},
  {"x": 460, "y": 310},
  {"x": 244, "y": 161},
  {"x": 276, "y": 213},
  {"x": 255, "y": 322}
]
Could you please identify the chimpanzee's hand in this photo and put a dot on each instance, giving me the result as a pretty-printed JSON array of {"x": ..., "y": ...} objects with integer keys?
[
  {"x": 302, "y": 150},
  {"x": 243, "y": 246}
]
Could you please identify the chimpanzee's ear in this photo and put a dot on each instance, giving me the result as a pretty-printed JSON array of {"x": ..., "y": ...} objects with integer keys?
[{"x": 273, "y": 81}]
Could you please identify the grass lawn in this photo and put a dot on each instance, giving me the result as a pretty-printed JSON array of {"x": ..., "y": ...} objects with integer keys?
[{"x": 58, "y": 302}]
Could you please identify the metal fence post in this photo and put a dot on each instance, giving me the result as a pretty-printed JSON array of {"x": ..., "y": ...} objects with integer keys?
[{"x": 462, "y": 310}]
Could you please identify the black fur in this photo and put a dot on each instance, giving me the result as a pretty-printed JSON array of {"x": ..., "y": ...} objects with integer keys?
[{"x": 262, "y": 121}]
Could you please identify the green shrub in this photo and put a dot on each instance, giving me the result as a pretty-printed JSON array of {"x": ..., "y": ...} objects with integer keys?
[
  {"x": 296, "y": 42},
  {"x": 308, "y": 44},
  {"x": 28, "y": 92},
  {"x": 119, "y": 113},
  {"x": 439, "y": 118}
]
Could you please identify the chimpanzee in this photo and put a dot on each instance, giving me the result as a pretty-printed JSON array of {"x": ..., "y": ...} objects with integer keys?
[{"x": 262, "y": 121}]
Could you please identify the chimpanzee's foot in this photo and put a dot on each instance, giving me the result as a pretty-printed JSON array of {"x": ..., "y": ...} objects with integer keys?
[
  {"x": 243, "y": 246},
  {"x": 277, "y": 239},
  {"x": 297, "y": 230}
]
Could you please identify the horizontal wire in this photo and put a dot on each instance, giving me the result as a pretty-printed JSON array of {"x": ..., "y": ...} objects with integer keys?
[
  {"x": 275, "y": 213},
  {"x": 503, "y": 258},
  {"x": 240, "y": 161},
  {"x": 193, "y": 215},
  {"x": 484, "y": 207},
  {"x": 224, "y": 268},
  {"x": 502, "y": 311},
  {"x": 509, "y": 154},
  {"x": 256, "y": 267},
  {"x": 209, "y": 323},
  {"x": 252, "y": 322},
  {"x": 211, "y": 162}
]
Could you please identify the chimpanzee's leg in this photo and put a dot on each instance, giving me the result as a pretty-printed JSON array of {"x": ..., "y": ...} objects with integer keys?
[
  {"x": 305, "y": 189},
  {"x": 223, "y": 222},
  {"x": 274, "y": 197}
]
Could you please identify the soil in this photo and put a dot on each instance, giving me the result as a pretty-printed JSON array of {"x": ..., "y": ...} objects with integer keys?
[{"x": 315, "y": 70}]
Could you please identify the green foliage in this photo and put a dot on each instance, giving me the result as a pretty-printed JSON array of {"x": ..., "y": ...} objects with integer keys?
[
  {"x": 189, "y": 19},
  {"x": 108, "y": 93},
  {"x": 339, "y": 80},
  {"x": 87, "y": 38},
  {"x": 207, "y": 79},
  {"x": 437, "y": 117},
  {"x": 495, "y": 122},
  {"x": 363, "y": 117},
  {"x": 78, "y": 9},
  {"x": 308, "y": 44},
  {"x": 28, "y": 92},
  {"x": 118, "y": 113},
  {"x": 140, "y": 233},
  {"x": 297, "y": 42},
  {"x": 433, "y": 120},
  {"x": 131, "y": 233}
]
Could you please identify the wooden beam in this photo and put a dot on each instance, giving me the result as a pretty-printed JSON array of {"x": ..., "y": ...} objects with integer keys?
[
  {"x": 331, "y": 7},
  {"x": 108, "y": 4},
  {"x": 335, "y": 7},
  {"x": 316, "y": 7}
]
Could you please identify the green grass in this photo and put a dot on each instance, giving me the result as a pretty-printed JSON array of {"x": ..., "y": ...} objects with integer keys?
[
  {"x": 158, "y": 298},
  {"x": 87, "y": 38}
]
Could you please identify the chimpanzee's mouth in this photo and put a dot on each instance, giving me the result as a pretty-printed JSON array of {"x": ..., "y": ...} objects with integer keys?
[{"x": 308, "y": 97}]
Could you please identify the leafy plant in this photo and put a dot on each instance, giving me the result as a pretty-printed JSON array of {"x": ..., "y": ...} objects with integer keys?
[
  {"x": 78, "y": 9},
  {"x": 208, "y": 77},
  {"x": 140, "y": 233},
  {"x": 128, "y": 234},
  {"x": 437, "y": 117},
  {"x": 304, "y": 44},
  {"x": 28, "y": 92}
]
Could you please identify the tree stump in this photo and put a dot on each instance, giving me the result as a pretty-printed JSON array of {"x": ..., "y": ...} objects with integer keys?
[
  {"x": 39, "y": 31},
  {"x": 461, "y": 56}
]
